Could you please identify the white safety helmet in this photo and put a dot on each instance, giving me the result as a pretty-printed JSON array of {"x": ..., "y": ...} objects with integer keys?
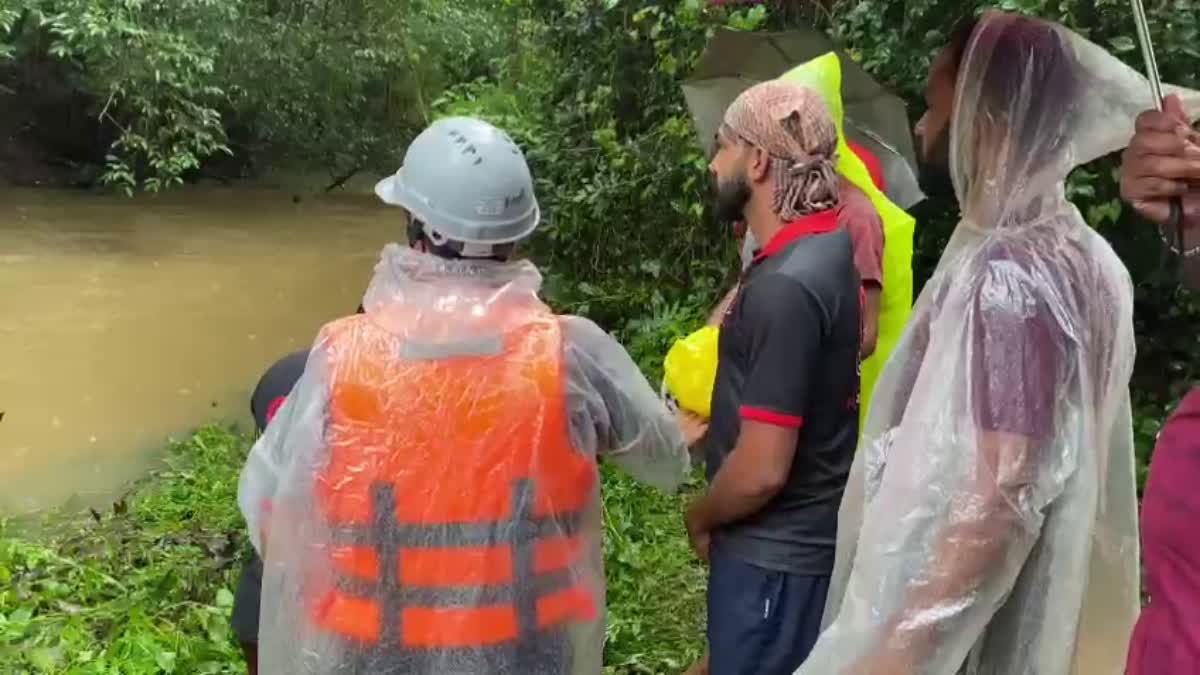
[{"x": 467, "y": 183}]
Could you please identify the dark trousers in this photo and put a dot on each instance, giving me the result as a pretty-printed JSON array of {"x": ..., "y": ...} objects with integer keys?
[
  {"x": 245, "y": 610},
  {"x": 761, "y": 622},
  {"x": 250, "y": 652}
]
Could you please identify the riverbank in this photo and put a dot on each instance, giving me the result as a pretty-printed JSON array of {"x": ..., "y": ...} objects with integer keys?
[{"x": 146, "y": 586}]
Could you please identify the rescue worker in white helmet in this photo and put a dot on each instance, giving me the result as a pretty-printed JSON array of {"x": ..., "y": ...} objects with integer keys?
[{"x": 427, "y": 499}]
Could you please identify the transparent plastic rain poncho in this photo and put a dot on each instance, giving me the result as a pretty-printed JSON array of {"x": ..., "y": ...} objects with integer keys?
[
  {"x": 989, "y": 525},
  {"x": 427, "y": 499}
]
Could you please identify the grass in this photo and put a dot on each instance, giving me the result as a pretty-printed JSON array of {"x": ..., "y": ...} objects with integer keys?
[{"x": 146, "y": 588}]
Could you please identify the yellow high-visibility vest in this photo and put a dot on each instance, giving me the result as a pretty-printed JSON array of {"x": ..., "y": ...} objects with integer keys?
[
  {"x": 824, "y": 75},
  {"x": 690, "y": 365}
]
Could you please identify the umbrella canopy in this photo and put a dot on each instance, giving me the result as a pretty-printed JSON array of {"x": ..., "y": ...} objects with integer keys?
[{"x": 875, "y": 118}]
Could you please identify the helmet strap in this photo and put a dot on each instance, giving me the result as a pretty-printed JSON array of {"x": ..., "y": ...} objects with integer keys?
[
  {"x": 474, "y": 250},
  {"x": 445, "y": 247}
]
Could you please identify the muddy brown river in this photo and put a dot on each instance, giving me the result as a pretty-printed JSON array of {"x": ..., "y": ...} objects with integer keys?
[{"x": 124, "y": 322}]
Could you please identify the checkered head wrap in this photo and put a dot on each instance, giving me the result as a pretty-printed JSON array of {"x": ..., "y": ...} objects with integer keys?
[{"x": 792, "y": 125}]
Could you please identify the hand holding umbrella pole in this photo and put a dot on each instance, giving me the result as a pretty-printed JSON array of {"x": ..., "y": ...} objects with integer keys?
[{"x": 1174, "y": 221}]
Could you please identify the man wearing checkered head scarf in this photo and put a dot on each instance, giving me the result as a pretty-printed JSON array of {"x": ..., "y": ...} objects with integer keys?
[
  {"x": 785, "y": 399},
  {"x": 777, "y": 142}
]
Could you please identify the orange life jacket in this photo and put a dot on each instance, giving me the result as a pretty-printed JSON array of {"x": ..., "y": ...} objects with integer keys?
[{"x": 453, "y": 492}]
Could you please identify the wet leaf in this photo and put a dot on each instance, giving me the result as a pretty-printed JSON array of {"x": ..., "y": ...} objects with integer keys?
[
  {"x": 20, "y": 617},
  {"x": 68, "y": 608},
  {"x": 45, "y": 659}
]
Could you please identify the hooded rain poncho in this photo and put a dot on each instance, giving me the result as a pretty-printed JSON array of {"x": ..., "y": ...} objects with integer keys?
[{"x": 989, "y": 524}]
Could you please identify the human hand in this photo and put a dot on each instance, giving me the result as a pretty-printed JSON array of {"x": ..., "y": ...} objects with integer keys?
[
  {"x": 1163, "y": 162},
  {"x": 700, "y": 667},
  {"x": 692, "y": 426},
  {"x": 698, "y": 533}
]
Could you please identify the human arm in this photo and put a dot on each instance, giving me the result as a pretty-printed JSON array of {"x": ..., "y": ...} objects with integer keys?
[
  {"x": 785, "y": 324},
  {"x": 718, "y": 313},
  {"x": 957, "y": 488},
  {"x": 750, "y": 476},
  {"x": 998, "y": 488},
  {"x": 870, "y": 319},
  {"x": 978, "y": 553},
  {"x": 1162, "y": 162},
  {"x": 861, "y": 221},
  {"x": 615, "y": 413}
]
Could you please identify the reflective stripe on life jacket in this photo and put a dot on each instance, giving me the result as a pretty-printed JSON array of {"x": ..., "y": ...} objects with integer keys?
[{"x": 453, "y": 493}]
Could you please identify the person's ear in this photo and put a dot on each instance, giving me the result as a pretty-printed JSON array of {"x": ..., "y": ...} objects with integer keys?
[{"x": 758, "y": 165}]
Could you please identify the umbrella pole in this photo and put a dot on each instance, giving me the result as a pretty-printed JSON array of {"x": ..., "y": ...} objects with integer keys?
[
  {"x": 1143, "y": 31},
  {"x": 1175, "y": 220}
]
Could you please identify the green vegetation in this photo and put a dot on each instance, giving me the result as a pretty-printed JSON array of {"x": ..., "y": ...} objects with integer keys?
[
  {"x": 147, "y": 587},
  {"x": 150, "y": 93},
  {"x": 150, "y": 89}
]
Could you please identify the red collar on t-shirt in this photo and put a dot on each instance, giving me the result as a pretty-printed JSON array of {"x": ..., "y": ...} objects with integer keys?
[{"x": 818, "y": 223}]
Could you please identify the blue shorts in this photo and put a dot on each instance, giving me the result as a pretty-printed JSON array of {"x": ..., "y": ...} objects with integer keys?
[{"x": 761, "y": 622}]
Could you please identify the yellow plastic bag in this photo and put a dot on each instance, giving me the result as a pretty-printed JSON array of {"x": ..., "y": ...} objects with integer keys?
[
  {"x": 824, "y": 75},
  {"x": 690, "y": 370}
]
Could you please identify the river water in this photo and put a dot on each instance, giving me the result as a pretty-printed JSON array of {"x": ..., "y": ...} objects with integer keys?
[{"x": 127, "y": 321}]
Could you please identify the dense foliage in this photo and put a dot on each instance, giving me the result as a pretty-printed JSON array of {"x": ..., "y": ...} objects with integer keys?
[
  {"x": 147, "y": 587},
  {"x": 334, "y": 85}
]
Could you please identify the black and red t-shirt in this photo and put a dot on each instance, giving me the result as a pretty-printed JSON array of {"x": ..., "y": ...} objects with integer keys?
[
  {"x": 274, "y": 386},
  {"x": 788, "y": 355}
]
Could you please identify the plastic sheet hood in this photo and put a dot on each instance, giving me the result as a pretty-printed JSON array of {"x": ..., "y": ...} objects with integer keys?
[{"x": 1033, "y": 102}]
